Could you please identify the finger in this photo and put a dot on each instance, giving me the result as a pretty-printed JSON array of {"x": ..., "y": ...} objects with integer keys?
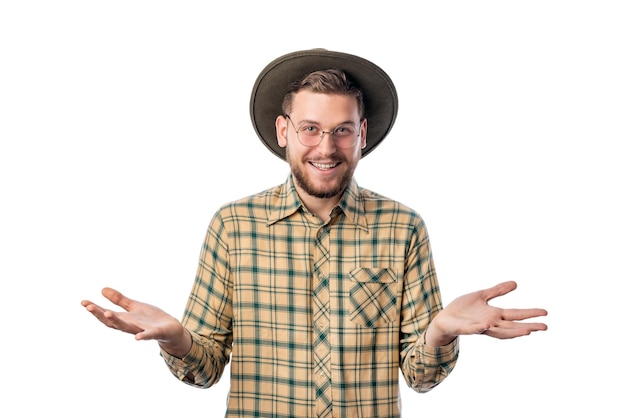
[
  {"x": 100, "y": 313},
  {"x": 144, "y": 335},
  {"x": 86, "y": 303},
  {"x": 117, "y": 298},
  {"x": 500, "y": 289},
  {"x": 521, "y": 314},
  {"x": 504, "y": 333},
  {"x": 536, "y": 326},
  {"x": 92, "y": 307}
]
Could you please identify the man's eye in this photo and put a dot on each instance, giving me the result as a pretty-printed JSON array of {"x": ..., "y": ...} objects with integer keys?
[
  {"x": 344, "y": 130},
  {"x": 310, "y": 129}
]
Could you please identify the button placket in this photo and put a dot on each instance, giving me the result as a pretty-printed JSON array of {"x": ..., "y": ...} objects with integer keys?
[{"x": 321, "y": 320}]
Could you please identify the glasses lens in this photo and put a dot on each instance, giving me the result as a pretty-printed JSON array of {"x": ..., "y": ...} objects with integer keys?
[
  {"x": 310, "y": 135},
  {"x": 345, "y": 136}
]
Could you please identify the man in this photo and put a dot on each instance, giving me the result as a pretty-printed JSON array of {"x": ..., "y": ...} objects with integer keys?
[{"x": 318, "y": 291}]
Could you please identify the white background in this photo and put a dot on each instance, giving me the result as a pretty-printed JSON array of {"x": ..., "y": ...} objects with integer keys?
[{"x": 124, "y": 125}]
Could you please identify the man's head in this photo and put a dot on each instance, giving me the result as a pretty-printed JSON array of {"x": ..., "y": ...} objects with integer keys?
[
  {"x": 323, "y": 131},
  {"x": 379, "y": 99}
]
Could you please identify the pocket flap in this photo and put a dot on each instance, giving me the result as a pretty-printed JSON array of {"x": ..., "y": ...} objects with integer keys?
[{"x": 373, "y": 275}]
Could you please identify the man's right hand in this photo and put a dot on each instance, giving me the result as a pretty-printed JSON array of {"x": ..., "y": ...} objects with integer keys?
[{"x": 145, "y": 321}]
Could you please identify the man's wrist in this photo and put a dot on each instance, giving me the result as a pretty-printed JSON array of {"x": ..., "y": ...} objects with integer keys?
[
  {"x": 435, "y": 338},
  {"x": 180, "y": 347}
]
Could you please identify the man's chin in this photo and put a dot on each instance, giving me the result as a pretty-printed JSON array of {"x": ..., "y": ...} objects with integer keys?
[
  {"x": 325, "y": 194},
  {"x": 321, "y": 191}
]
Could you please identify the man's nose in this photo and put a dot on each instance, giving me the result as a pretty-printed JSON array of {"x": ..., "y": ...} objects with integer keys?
[{"x": 327, "y": 145}]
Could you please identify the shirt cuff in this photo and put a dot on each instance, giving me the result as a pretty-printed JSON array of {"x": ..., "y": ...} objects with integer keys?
[{"x": 437, "y": 355}]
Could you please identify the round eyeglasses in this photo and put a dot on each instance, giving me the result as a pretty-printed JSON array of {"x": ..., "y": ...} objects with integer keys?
[{"x": 311, "y": 135}]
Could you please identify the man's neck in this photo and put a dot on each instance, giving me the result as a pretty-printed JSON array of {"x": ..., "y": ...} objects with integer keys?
[{"x": 319, "y": 206}]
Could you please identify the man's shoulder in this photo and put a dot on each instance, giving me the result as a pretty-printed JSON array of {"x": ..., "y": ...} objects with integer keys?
[
  {"x": 261, "y": 196},
  {"x": 252, "y": 204},
  {"x": 370, "y": 197},
  {"x": 377, "y": 206}
]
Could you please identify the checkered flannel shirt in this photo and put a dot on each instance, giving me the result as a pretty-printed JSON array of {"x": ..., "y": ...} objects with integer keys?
[{"x": 316, "y": 318}]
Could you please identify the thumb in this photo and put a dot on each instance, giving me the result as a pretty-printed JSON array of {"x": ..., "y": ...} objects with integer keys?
[{"x": 500, "y": 289}]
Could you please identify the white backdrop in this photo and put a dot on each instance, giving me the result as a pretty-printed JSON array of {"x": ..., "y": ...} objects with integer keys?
[{"x": 124, "y": 125}]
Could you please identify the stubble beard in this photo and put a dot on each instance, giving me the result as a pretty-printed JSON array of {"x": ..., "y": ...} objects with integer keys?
[{"x": 309, "y": 188}]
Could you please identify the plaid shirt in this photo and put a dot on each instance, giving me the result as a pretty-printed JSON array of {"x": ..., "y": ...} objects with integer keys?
[{"x": 318, "y": 317}]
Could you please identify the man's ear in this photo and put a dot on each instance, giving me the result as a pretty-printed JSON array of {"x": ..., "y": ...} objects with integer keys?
[
  {"x": 281, "y": 130},
  {"x": 363, "y": 133}
]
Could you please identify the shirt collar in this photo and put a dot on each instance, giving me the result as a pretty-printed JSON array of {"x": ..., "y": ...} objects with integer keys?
[{"x": 285, "y": 202}]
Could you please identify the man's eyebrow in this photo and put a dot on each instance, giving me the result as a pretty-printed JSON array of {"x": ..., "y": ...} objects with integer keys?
[{"x": 312, "y": 122}]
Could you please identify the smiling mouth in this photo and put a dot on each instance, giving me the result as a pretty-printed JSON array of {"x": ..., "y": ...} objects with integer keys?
[{"x": 324, "y": 166}]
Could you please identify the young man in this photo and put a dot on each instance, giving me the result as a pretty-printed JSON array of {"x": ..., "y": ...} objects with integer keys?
[{"x": 318, "y": 291}]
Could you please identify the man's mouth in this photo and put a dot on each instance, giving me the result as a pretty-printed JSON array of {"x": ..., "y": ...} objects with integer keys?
[{"x": 326, "y": 166}]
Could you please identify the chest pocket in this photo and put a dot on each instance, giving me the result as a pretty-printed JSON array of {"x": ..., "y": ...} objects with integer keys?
[{"x": 373, "y": 296}]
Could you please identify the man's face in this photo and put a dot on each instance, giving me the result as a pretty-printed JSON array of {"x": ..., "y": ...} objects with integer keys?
[{"x": 323, "y": 170}]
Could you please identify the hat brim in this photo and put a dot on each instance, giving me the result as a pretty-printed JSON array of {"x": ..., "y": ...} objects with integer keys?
[{"x": 379, "y": 93}]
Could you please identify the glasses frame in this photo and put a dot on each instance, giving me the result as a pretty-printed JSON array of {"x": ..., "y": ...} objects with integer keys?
[{"x": 322, "y": 133}]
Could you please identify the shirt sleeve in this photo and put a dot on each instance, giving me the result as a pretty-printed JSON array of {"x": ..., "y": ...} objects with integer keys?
[
  {"x": 208, "y": 313},
  {"x": 423, "y": 366}
]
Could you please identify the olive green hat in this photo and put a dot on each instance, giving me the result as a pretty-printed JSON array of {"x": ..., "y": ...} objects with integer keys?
[{"x": 379, "y": 93}]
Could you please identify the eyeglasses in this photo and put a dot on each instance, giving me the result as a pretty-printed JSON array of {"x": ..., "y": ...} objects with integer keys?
[{"x": 311, "y": 135}]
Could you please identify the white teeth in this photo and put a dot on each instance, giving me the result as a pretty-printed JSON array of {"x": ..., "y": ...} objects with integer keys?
[{"x": 325, "y": 166}]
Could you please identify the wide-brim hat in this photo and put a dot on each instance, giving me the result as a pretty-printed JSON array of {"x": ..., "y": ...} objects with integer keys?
[{"x": 379, "y": 92}]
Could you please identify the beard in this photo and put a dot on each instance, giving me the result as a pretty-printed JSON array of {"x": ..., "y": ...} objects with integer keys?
[{"x": 333, "y": 189}]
